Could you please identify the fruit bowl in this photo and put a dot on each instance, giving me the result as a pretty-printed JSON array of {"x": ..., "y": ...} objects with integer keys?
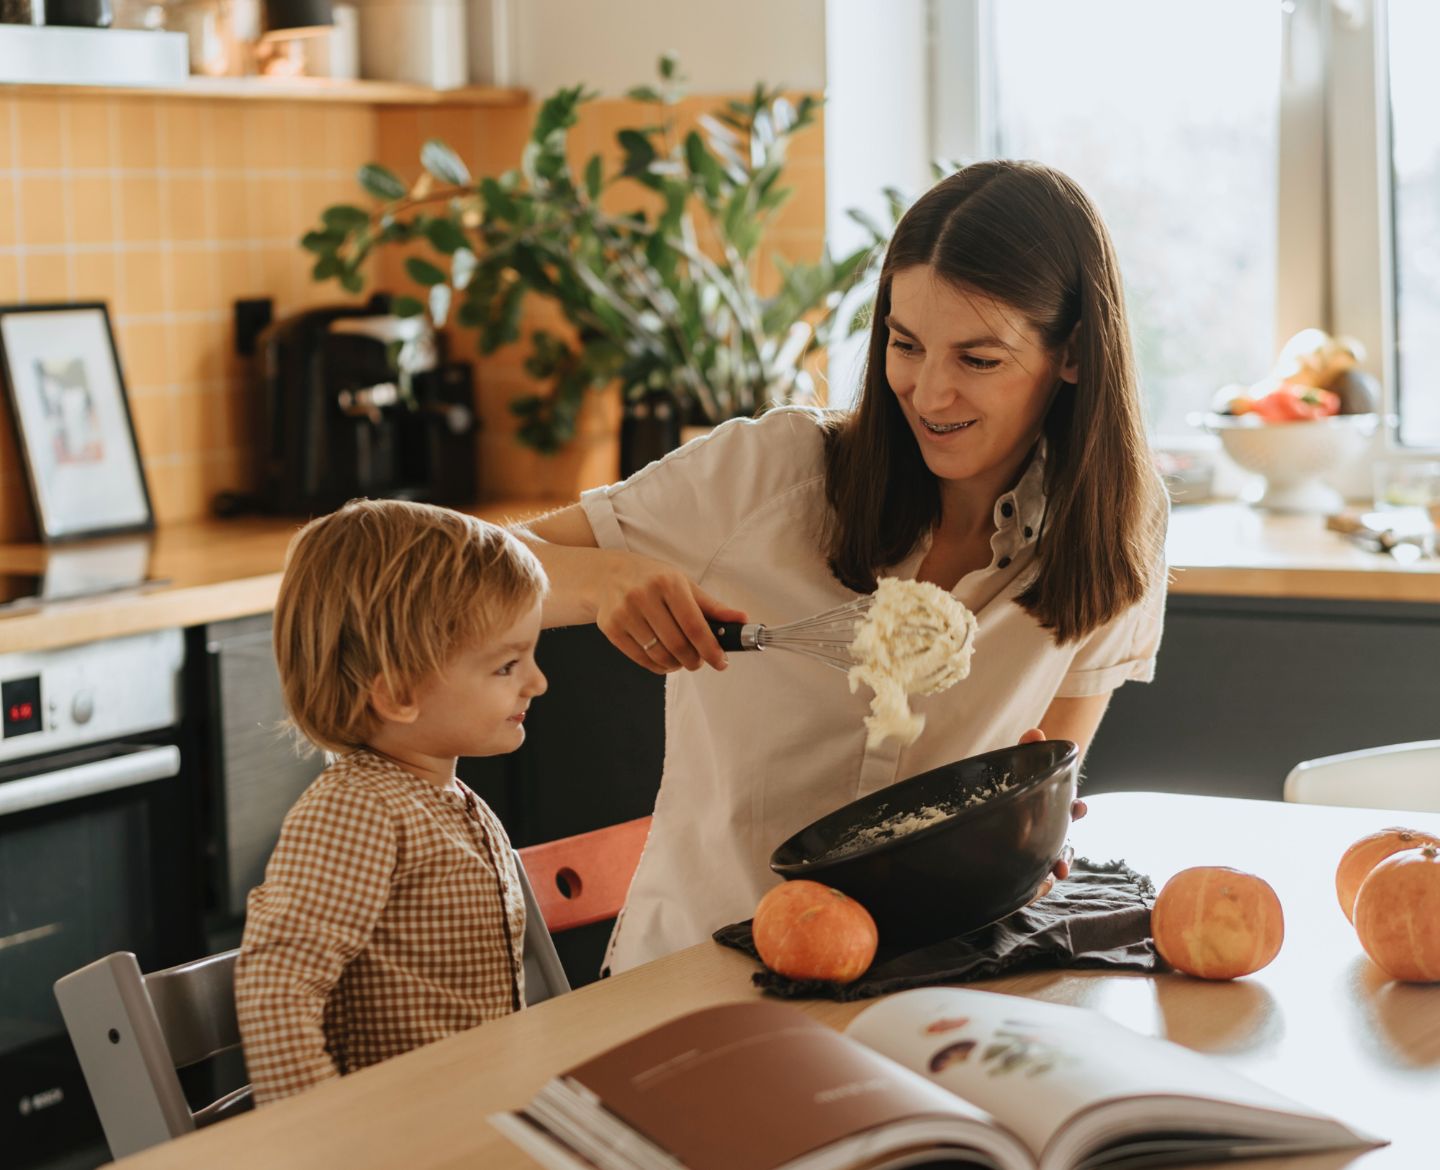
[
  {"x": 1294, "y": 457},
  {"x": 948, "y": 850}
]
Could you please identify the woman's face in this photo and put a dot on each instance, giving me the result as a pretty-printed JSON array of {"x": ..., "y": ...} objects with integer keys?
[{"x": 971, "y": 375}]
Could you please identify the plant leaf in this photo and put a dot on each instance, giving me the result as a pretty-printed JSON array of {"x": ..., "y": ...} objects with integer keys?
[
  {"x": 594, "y": 176},
  {"x": 462, "y": 268},
  {"x": 405, "y": 306},
  {"x": 381, "y": 182},
  {"x": 345, "y": 218},
  {"x": 423, "y": 272},
  {"x": 447, "y": 235},
  {"x": 442, "y": 162},
  {"x": 439, "y": 304},
  {"x": 322, "y": 243}
]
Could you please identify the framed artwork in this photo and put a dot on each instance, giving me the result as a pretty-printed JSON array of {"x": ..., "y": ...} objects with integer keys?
[{"x": 72, "y": 421}]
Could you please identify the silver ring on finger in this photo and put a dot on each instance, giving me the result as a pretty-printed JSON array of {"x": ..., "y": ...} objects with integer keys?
[{"x": 650, "y": 643}]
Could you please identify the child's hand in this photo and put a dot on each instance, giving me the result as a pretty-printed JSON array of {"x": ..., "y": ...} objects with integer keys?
[
  {"x": 656, "y": 615},
  {"x": 1077, "y": 810}
]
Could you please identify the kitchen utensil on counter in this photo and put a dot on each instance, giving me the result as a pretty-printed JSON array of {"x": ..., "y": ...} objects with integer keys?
[
  {"x": 1407, "y": 534},
  {"x": 948, "y": 850}
]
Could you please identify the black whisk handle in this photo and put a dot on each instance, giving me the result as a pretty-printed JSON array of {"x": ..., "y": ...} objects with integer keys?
[{"x": 728, "y": 635}]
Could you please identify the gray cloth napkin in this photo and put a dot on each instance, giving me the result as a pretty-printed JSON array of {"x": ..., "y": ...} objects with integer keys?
[{"x": 1099, "y": 916}]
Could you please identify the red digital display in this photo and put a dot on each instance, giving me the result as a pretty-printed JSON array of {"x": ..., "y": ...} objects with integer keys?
[{"x": 20, "y": 703}]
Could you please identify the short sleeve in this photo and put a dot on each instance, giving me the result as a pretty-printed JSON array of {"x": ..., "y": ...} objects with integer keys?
[
  {"x": 683, "y": 508},
  {"x": 1123, "y": 650}
]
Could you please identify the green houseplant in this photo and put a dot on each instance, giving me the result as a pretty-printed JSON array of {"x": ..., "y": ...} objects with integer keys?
[{"x": 663, "y": 303}]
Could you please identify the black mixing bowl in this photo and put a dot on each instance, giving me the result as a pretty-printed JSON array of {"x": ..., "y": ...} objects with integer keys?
[{"x": 927, "y": 864}]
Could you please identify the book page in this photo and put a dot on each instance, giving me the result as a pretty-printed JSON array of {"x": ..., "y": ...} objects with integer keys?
[
  {"x": 761, "y": 1084},
  {"x": 1034, "y": 1065}
]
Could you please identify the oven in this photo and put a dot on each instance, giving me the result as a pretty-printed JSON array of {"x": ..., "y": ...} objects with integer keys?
[{"x": 99, "y": 852}]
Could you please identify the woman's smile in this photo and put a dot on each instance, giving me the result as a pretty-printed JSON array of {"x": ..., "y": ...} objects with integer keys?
[{"x": 945, "y": 428}]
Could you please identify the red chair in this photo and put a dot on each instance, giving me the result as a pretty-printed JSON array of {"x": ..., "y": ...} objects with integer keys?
[{"x": 583, "y": 879}]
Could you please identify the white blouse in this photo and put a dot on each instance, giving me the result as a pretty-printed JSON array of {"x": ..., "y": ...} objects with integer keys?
[{"x": 756, "y": 752}]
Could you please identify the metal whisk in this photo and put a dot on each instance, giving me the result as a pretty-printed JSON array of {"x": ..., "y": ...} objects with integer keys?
[{"x": 826, "y": 637}]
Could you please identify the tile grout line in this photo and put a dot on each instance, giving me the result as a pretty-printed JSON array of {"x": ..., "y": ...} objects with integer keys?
[
  {"x": 67, "y": 199},
  {"x": 15, "y": 199}
]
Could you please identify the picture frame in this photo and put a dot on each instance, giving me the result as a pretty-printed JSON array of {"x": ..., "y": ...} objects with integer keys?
[{"x": 72, "y": 418}]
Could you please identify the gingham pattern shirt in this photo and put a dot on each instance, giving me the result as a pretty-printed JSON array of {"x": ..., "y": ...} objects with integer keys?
[{"x": 391, "y": 916}]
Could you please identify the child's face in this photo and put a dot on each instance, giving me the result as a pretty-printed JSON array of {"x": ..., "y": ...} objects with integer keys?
[{"x": 477, "y": 705}]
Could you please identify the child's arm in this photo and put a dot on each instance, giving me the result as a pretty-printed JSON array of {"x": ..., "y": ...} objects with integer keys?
[{"x": 325, "y": 887}]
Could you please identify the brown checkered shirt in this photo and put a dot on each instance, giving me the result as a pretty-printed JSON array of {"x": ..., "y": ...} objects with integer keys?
[{"x": 391, "y": 916}]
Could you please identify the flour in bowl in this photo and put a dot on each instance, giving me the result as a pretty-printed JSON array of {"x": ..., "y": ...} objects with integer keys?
[
  {"x": 902, "y": 824},
  {"x": 916, "y": 640}
]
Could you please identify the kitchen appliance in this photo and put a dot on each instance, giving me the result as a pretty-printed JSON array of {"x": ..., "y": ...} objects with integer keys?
[
  {"x": 354, "y": 401},
  {"x": 98, "y": 853}
]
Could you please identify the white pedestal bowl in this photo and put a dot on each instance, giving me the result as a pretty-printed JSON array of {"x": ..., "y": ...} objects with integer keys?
[{"x": 1293, "y": 457}]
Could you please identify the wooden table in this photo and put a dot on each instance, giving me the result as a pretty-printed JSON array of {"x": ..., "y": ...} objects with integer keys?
[{"x": 1320, "y": 1023}]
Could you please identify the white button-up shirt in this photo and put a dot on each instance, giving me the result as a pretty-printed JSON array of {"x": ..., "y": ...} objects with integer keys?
[{"x": 756, "y": 752}]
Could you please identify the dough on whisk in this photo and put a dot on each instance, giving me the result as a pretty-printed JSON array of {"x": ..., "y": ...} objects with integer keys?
[{"x": 916, "y": 640}]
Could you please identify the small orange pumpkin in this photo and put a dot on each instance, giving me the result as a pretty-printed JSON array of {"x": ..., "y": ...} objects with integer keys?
[
  {"x": 1363, "y": 856},
  {"x": 1397, "y": 915},
  {"x": 1217, "y": 923},
  {"x": 806, "y": 930}
]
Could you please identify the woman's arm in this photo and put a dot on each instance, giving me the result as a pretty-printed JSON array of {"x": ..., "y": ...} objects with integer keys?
[
  {"x": 1075, "y": 720},
  {"x": 653, "y": 613}
]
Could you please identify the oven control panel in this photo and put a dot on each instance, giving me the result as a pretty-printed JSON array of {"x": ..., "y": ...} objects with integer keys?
[{"x": 75, "y": 695}]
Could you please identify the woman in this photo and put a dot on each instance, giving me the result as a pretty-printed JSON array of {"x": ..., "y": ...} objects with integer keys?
[{"x": 997, "y": 450}]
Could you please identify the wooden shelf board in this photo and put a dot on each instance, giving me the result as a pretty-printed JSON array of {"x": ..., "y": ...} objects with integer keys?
[{"x": 309, "y": 89}]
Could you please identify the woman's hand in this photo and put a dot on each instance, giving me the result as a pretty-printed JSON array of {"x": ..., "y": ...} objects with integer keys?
[
  {"x": 1077, "y": 810},
  {"x": 656, "y": 615}
]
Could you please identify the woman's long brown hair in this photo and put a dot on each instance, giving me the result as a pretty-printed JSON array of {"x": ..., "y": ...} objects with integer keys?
[{"x": 1028, "y": 236}]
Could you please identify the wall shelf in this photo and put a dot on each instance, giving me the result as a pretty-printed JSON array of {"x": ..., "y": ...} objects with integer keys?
[{"x": 309, "y": 89}]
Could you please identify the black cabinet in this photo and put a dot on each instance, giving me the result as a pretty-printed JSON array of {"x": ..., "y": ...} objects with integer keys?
[{"x": 1246, "y": 688}]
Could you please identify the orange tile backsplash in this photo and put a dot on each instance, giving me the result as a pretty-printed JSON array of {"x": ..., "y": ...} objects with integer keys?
[{"x": 170, "y": 209}]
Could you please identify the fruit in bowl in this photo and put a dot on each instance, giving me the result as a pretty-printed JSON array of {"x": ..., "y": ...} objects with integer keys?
[{"x": 1311, "y": 414}]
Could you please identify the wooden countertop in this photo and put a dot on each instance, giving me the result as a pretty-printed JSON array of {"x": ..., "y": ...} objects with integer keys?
[
  {"x": 217, "y": 569},
  {"x": 1321, "y": 1024}
]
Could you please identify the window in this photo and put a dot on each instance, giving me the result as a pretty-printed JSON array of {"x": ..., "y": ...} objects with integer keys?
[
  {"x": 1264, "y": 166},
  {"x": 1414, "y": 31},
  {"x": 1168, "y": 116}
]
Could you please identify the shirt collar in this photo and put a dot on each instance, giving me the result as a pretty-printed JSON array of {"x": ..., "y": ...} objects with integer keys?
[{"x": 1022, "y": 508}]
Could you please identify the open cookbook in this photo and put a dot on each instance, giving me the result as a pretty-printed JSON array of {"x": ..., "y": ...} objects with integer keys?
[{"x": 935, "y": 1076}]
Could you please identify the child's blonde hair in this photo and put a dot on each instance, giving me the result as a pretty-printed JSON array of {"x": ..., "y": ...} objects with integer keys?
[{"x": 391, "y": 589}]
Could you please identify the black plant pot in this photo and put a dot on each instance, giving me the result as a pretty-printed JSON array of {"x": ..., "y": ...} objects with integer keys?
[
  {"x": 649, "y": 430},
  {"x": 79, "y": 13}
]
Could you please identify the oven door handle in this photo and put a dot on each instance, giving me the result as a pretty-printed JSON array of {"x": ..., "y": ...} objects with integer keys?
[{"x": 122, "y": 771}]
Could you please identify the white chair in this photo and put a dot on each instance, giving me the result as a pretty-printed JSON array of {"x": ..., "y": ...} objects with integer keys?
[
  {"x": 132, "y": 1032},
  {"x": 1402, "y": 776}
]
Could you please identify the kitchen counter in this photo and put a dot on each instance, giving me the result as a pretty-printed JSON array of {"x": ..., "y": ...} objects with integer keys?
[
  {"x": 218, "y": 569},
  {"x": 210, "y": 570}
]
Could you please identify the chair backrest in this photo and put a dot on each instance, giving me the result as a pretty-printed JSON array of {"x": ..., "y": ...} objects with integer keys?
[
  {"x": 544, "y": 976},
  {"x": 583, "y": 879},
  {"x": 1402, "y": 776},
  {"x": 132, "y": 1031}
]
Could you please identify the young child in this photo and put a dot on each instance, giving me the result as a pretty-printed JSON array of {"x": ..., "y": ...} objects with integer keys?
[{"x": 391, "y": 914}]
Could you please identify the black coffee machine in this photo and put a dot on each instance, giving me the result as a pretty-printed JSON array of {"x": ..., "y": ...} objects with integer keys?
[{"x": 355, "y": 401}]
